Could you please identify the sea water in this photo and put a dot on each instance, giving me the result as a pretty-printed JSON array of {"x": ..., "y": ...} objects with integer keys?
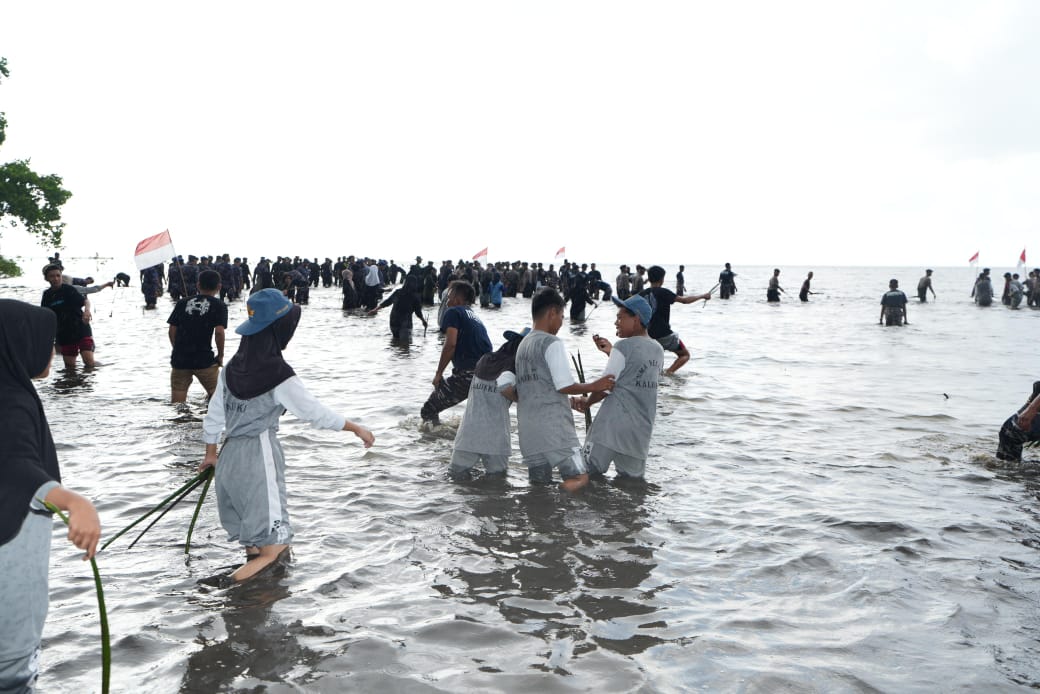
[{"x": 823, "y": 512}]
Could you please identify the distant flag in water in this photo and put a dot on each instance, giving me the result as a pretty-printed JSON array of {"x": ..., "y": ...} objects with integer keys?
[
  {"x": 154, "y": 250},
  {"x": 481, "y": 254},
  {"x": 561, "y": 253},
  {"x": 1022, "y": 260},
  {"x": 974, "y": 258}
]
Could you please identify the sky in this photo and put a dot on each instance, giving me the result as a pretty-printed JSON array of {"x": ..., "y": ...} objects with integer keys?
[{"x": 759, "y": 133}]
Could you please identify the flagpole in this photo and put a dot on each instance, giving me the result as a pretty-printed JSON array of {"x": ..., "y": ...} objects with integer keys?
[{"x": 973, "y": 264}]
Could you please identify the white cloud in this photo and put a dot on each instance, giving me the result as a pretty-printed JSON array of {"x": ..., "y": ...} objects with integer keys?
[{"x": 751, "y": 132}]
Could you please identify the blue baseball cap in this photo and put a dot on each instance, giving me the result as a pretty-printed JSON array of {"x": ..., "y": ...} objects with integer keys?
[
  {"x": 265, "y": 307},
  {"x": 637, "y": 305}
]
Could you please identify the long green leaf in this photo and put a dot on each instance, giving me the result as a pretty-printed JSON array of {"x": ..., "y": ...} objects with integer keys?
[
  {"x": 106, "y": 643},
  {"x": 198, "y": 507},
  {"x": 158, "y": 506},
  {"x": 189, "y": 490}
]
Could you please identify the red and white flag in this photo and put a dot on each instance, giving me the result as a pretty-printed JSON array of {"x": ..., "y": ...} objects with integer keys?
[
  {"x": 974, "y": 258},
  {"x": 154, "y": 250},
  {"x": 481, "y": 254},
  {"x": 1022, "y": 261},
  {"x": 561, "y": 253}
]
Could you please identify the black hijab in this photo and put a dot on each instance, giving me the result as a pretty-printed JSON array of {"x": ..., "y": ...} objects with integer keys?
[
  {"x": 28, "y": 458},
  {"x": 491, "y": 365},
  {"x": 258, "y": 366}
]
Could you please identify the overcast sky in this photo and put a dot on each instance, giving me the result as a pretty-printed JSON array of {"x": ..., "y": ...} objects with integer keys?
[{"x": 870, "y": 133}]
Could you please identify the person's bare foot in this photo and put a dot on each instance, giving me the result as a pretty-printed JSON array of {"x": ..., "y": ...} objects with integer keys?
[
  {"x": 573, "y": 484},
  {"x": 268, "y": 555}
]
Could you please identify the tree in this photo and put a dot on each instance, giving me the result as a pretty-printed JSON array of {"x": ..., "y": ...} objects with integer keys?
[
  {"x": 28, "y": 199},
  {"x": 9, "y": 268}
]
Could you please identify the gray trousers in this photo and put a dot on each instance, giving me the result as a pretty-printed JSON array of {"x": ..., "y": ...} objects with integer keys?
[
  {"x": 464, "y": 461},
  {"x": 23, "y": 584}
]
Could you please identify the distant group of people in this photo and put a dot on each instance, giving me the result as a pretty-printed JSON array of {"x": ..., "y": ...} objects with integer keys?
[{"x": 1014, "y": 292}]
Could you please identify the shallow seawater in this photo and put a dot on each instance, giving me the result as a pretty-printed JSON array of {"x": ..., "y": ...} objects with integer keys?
[{"x": 823, "y": 512}]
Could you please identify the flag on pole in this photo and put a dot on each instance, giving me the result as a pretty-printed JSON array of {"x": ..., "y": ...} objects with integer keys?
[
  {"x": 561, "y": 253},
  {"x": 154, "y": 250},
  {"x": 1022, "y": 260},
  {"x": 481, "y": 254},
  {"x": 974, "y": 259}
]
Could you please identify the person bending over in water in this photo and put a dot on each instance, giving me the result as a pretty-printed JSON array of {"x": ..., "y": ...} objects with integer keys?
[
  {"x": 1020, "y": 428},
  {"x": 72, "y": 309},
  {"x": 803, "y": 295},
  {"x": 483, "y": 435},
  {"x": 924, "y": 285},
  {"x": 406, "y": 301},
  {"x": 465, "y": 341},
  {"x": 253, "y": 391}
]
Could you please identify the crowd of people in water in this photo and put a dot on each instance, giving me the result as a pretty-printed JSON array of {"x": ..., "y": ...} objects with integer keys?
[{"x": 247, "y": 396}]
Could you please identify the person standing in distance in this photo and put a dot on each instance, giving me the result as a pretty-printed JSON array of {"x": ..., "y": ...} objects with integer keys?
[
  {"x": 923, "y": 286},
  {"x": 774, "y": 290},
  {"x": 727, "y": 283},
  {"x": 893, "y": 306}
]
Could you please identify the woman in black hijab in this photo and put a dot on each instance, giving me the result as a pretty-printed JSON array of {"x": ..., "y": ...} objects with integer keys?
[
  {"x": 406, "y": 301},
  {"x": 252, "y": 393},
  {"x": 29, "y": 472},
  {"x": 483, "y": 435}
]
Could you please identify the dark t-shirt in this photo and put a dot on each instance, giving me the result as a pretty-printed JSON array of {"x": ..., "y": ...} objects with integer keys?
[
  {"x": 661, "y": 301},
  {"x": 196, "y": 318},
  {"x": 893, "y": 297},
  {"x": 67, "y": 304},
  {"x": 472, "y": 341}
]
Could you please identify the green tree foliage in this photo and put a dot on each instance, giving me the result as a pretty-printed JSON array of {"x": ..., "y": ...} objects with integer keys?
[
  {"x": 8, "y": 268},
  {"x": 28, "y": 199}
]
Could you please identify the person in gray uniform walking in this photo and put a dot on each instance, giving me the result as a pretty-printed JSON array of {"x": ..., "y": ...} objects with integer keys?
[{"x": 253, "y": 391}]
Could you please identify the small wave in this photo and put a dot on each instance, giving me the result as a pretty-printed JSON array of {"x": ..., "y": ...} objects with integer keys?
[{"x": 873, "y": 530}]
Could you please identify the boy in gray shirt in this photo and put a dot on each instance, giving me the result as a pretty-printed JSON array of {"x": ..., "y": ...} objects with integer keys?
[
  {"x": 544, "y": 380},
  {"x": 625, "y": 421}
]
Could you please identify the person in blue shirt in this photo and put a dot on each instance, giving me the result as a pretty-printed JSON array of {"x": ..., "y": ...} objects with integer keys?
[
  {"x": 465, "y": 342},
  {"x": 496, "y": 289}
]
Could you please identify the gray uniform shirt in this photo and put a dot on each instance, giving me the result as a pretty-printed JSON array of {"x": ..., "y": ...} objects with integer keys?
[
  {"x": 485, "y": 425},
  {"x": 625, "y": 419},
  {"x": 250, "y": 418},
  {"x": 543, "y": 414}
]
